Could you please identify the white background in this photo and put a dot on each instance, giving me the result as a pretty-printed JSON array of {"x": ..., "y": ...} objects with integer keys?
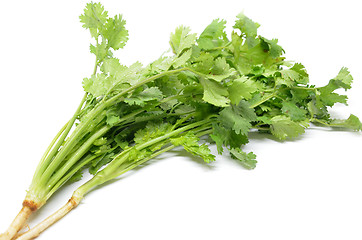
[{"x": 308, "y": 188}]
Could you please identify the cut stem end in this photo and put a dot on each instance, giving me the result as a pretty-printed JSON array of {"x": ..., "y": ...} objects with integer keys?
[
  {"x": 19, "y": 222},
  {"x": 35, "y": 231}
]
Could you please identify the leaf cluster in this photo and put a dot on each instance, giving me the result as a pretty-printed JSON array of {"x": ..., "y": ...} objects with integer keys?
[
  {"x": 241, "y": 83},
  {"x": 215, "y": 87}
]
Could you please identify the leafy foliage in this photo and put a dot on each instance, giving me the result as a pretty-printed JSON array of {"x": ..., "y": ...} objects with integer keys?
[
  {"x": 217, "y": 85},
  {"x": 238, "y": 83}
]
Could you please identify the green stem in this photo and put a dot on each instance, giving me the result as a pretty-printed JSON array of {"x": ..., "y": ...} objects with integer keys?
[
  {"x": 303, "y": 88},
  {"x": 76, "y": 156},
  {"x": 41, "y": 166},
  {"x": 113, "y": 168},
  {"x": 321, "y": 122},
  {"x": 263, "y": 100},
  {"x": 56, "y": 157},
  {"x": 65, "y": 178},
  {"x": 93, "y": 114},
  {"x": 174, "y": 132},
  {"x": 49, "y": 160}
]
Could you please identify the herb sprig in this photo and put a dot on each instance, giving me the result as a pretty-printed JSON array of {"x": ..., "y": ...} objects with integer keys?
[{"x": 213, "y": 85}]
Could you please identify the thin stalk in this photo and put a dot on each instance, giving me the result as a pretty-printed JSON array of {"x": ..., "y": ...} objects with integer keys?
[
  {"x": 166, "y": 149},
  {"x": 42, "y": 165},
  {"x": 45, "y": 163},
  {"x": 108, "y": 172},
  {"x": 32, "y": 202},
  {"x": 263, "y": 100},
  {"x": 85, "y": 188},
  {"x": 76, "y": 168},
  {"x": 175, "y": 132},
  {"x": 91, "y": 115},
  {"x": 56, "y": 157},
  {"x": 56, "y": 152},
  {"x": 76, "y": 156},
  {"x": 80, "y": 152}
]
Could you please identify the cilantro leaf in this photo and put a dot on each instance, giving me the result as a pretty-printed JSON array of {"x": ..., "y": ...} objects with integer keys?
[
  {"x": 352, "y": 122},
  {"x": 97, "y": 85},
  {"x": 248, "y": 28},
  {"x": 181, "y": 39},
  {"x": 220, "y": 70},
  {"x": 344, "y": 78},
  {"x": 293, "y": 111},
  {"x": 246, "y": 159},
  {"x": 147, "y": 95},
  {"x": 227, "y": 137},
  {"x": 327, "y": 96},
  {"x": 94, "y": 18},
  {"x": 292, "y": 76},
  {"x": 230, "y": 119},
  {"x": 115, "y": 32},
  {"x": 215, "y": 93},
  {"x": 241, "y": 88},
  {"x": 213, "y": 36},
  {"x": 190, "y": 142},
  {"x": 283, "y": 127}
]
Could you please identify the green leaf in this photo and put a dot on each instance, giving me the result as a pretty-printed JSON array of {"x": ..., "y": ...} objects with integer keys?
[
  {"x": 248, "y": 28},
  {"x": 215, "y": 93},
  {"x": 243, "y": 108},
  {"x": 246, "y": 159},
  {"x": 97, "y": 85},
  {"x": 232, "y": 120},
  {"x": 76, "y": 176},
  {"x": 283, "y": 127},
  {"x": 181, "y": 60},
  {"x": 93, "y": 18},
  {"x": 344, "y": 78},
  {"x": 115, "y": 32},
  {"x": 160, "y": 65},
  {"x": 327, "y": 96},
  {"x": 247, "y": 57},
  {"x": 112, "y": 67},
  {"x": 293, "y": 111},
  {"x": 227, "y": 137},
  {"x": 101, "y": 51},
  {"x": 241, "y": 88},
  {"x": 294, "y": 75},
  {"x": 272, "y": 47},
  {"x": 181, "y": 39},
  {"x": 151, "y": 131},
  {"x": 147, "y": 95},
  {"x": 213, "y": 36},
  {"x": 190, "y": 142},
  {"x": 238, "y": 118},
  {"x": 149, "y": 115},
  {"x": 100, "y": 162},
  {"x": 100, "y": 141},
  {"x": 303, "y": 77},
  {"x": 112, "y": 120},
  {"x": 118, "y": 77},
  {"x": 204, "y": 63},
  {"x": 114, "y": 78},
  {"x": 352, "y": 122},
  {"x": 221, "y": 70},
  {"x": 135, "y": 155}
]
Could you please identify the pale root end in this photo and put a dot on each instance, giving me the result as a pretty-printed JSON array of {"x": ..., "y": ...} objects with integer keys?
[
  {"x": 19, "y": 221},
  {"x": 35, "y": 231}
]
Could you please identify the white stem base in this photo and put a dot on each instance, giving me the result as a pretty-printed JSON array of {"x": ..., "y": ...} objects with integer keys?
[
  {"x": 17, "y": 223},
  {"x": 35, "y": 231}
]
